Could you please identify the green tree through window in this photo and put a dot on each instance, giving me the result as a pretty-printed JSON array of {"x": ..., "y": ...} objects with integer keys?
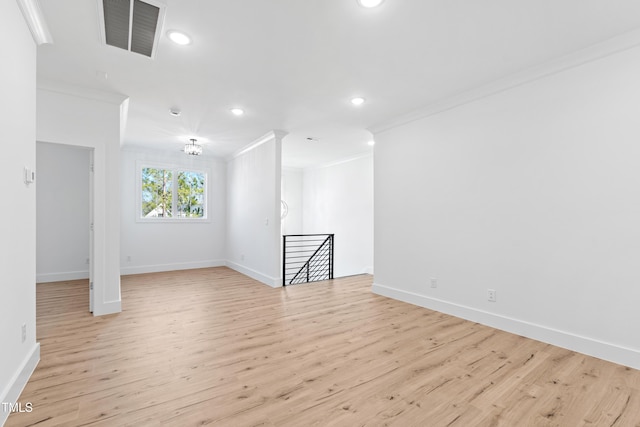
[
  {"x": 157, "y": 193},
  {"x": 172, "y": 193},
  {"x": 190, "y": 194}
]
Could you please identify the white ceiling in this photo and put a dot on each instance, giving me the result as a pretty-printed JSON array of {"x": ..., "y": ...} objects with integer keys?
[{"x": 294, "y": 64}]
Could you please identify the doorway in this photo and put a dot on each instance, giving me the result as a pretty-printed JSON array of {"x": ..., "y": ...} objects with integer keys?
[{"x": 64, "y": 212}]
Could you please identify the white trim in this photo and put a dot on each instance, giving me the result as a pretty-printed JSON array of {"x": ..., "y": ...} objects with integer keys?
[
  {"x": 269, "y": 136},
  {"x": 107, "y": 307},
  {"x": 368, "y": 270},
  {"x": 124, "y": 118},
  {"x": 101, "y": 29},
  {"x": 173, "y": 220},
  {"x": 62, "y": 276},
  {"x": 157, "y": 268},
  {"x": 341, "y": 161},
  {"x": 12, "y": 391},
  {"x": 274, "y": 282},
  {"x": 600, "y": 50},
  {"x": 35, "y": 21},
  {"x": 592, "y": 347},
  {"x": 68, "y": 89}
]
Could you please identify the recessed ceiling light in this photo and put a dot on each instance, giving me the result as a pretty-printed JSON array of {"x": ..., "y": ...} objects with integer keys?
[
  {"x": 237, "y": 111},
  {"x": 370, "y": 3},
  {"x": 371, "y": 143},
  {"x": 178, "y": 37},
  {"x": 357, "y": 101}
]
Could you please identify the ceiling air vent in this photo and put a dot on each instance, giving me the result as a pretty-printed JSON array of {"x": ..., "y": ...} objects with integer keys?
[{"x": 133, "y": 25}]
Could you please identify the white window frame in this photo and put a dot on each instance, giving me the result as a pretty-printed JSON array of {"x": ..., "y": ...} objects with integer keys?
[{"x": 175, "y": 168}]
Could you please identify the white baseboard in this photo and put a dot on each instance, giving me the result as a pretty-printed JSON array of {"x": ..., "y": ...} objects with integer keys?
[
  {"x": 61, "y": 277},
  {"x": 157, "y": 268},
  {"x": 274, "y": 282},
  {"x": 581, "y": 344},
  {"x": 12, "y": 392},
  {"x": 109, "y": 307},
  {"x": 368, "y": 270}
]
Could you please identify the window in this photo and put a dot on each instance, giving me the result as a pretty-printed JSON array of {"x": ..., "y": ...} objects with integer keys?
[{"x": 170, "y": 193}]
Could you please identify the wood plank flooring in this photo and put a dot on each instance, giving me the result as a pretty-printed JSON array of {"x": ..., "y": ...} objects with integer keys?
[{"x": 213, "y": 347}]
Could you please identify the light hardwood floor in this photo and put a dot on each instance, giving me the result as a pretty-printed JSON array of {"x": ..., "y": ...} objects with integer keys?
[{"x": 213, "y": 347}]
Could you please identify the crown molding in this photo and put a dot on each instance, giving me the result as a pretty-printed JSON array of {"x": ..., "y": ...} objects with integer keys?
[
  {"x": 271, "y": 135},
  {"x": 35, "y": 21},
  {"x": 82, "y": 92},
  {"x": 594, "y": 52},
  {"x": 340, "y": 161}
]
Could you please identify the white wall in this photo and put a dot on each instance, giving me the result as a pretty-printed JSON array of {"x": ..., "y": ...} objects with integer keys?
[
  {"x": 338, "y": 199},
  {"x": 292, "y": 195},
  {"x": 62, "y": 212},
  {"x": 253, "y": 210},
  {"x": 533, "y": 192},
  {"x": 149, "y": 247},
  {"x": 18, "y": 204},
  {"x": 73, "y": 116}
]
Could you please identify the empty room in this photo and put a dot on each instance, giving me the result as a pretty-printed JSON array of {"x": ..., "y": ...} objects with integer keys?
[{"x": 320, "y": 212}]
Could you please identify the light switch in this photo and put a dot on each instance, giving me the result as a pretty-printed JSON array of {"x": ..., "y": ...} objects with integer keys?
[{"x": 29, "y": 175}]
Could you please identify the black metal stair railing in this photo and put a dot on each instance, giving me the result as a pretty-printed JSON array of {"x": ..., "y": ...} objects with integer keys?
[{"x": 307, "y": 258}]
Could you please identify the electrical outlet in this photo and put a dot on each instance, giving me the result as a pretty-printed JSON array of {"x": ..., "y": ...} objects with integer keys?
[
  {"x": 24, "y": 332},
  {"x": 128, "y": 258},
  {"x": 434, "y": 282},
  {"x": 242, "y": 257},
  {"x": 87, "y": 261},
  {"x": 491, "y": 295}
]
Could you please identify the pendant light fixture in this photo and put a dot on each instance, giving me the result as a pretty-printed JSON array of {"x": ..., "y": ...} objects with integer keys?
[{"x": 192, "y": 148}]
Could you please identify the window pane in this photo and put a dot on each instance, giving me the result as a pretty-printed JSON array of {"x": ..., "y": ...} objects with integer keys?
[
  {"x": 157, "y": 194},
  {"x": 190, "y": 194}
]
